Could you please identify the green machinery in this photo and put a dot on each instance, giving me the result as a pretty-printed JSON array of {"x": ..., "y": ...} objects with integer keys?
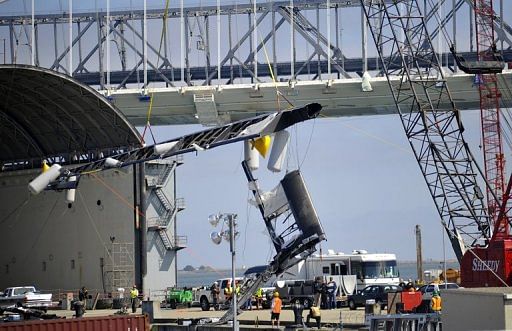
[{"x": 175, "y": 297}]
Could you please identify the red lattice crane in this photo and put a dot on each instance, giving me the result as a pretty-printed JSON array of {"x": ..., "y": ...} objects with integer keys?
[
  {"x": 484, "y": 264},
  {"x": 490, "y": 95},
  {"x": 478, "y": 228}
]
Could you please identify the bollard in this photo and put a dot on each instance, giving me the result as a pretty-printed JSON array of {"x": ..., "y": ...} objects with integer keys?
[{"x": 369, "y": 307}]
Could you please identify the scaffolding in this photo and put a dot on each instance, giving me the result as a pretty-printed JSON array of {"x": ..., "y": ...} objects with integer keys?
[{"x": 120, "y": 271}]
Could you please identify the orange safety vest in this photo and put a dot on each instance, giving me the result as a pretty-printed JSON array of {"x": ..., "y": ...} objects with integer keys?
[
  {"x": 276, "y": 305},
  {"x": 436, "y": 303}
]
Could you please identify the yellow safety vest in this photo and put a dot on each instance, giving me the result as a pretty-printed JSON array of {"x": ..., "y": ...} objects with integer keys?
[
  {"x": 228, "y": 290},
  {"x": 134, "y": 293},
  {"x": 259, "y": 293},
  {"x": 436, "y": 303}
]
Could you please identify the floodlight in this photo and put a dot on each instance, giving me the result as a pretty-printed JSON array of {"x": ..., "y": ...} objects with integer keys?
[
  {"x": 215, "y": 237},
  {"x": 38, "y": 184},
  {"x": 214, "y": 219},
  {"x": 226, "y": 235},
  {"x": 112, "y": 163}
]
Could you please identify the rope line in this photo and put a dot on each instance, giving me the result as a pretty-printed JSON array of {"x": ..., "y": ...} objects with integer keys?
[{"x": 150, "y": 108}]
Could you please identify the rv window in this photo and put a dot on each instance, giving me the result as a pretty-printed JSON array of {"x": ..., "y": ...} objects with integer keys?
[
  {"x": 380, "y": 269},
  {"x": 325, "y": 270},
  {"x": 343, "y": 270},
  {"x": 335, "y": 270},
  {"x": 357, "y": 269}
]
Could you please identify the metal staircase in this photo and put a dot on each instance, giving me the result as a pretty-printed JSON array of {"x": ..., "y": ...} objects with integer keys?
[{"x": 167, "y": 211}]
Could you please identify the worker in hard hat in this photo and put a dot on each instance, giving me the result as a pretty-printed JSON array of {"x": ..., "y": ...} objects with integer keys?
[
  {"x": 134, "y": 298},
  {"x": 215, "y": 291},
  {"x": 314, "y": 313},
  {"x": 259, "y": 298},
  {"x": 228, "y": 291},
  {"x": 435, "y": 302},
  {"x": 276, "y": 309}
]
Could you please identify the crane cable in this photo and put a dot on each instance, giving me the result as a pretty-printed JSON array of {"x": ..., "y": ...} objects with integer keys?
[
  {"x": 151, "y": 97},
  {"x": 448, "y": 39},
  {"x": 505, "y": 100}
]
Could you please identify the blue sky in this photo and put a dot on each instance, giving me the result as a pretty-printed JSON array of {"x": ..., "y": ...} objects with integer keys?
[{"x": 364, "y": 181}]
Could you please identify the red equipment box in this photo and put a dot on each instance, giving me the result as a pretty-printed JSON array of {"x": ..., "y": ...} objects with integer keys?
[{"x": 411, "y": 300}]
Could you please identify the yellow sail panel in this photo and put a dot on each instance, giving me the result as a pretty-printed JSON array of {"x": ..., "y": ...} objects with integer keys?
[
  {"x": 45, "y": 166},
  {"x": 262, "y": 145}
]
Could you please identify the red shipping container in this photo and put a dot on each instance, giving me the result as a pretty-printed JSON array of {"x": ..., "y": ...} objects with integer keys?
[
  {"x": 411, "y": 300},
  {"x": 112, "y": 323}
]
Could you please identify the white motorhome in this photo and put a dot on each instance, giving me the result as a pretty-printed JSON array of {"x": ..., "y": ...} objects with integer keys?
[{"x": 369, "y": 268}]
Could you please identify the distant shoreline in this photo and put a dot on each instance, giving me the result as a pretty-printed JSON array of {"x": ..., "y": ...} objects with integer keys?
[{"x": 428, "y": 261}]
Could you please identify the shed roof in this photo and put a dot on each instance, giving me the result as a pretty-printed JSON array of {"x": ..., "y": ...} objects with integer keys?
[{"x": 45, "y": 114}]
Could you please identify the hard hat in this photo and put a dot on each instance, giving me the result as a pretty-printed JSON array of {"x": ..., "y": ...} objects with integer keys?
[
  {"x": 276, "y": 294},
  {"x": 215, "y": 283}
]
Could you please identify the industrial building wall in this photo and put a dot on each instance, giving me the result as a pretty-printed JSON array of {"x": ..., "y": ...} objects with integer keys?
[{"x": 51, "y": 245}]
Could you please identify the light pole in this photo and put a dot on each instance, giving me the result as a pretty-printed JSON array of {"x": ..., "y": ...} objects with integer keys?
[{"x": 229, "y": 235}]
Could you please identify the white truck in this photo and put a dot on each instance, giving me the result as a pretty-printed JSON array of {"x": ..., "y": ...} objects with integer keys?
[
  {"x": 203, "y": 295},
  {"x": 24, "y": 296}
]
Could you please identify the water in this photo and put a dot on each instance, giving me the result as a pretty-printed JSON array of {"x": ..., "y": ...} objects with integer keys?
[{"x": 200, "y": 278}]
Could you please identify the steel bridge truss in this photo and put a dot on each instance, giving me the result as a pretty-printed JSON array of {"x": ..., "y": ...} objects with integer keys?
[
  {"x": 431, "y": 120},
  {"x": 201, "y": 58}
]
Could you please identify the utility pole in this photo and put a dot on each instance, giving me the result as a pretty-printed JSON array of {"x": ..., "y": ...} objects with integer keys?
[
  {"x": 419, "y": 255},
  {"x": 232, "y": 233},
  {"x": 228, "y": 235}
]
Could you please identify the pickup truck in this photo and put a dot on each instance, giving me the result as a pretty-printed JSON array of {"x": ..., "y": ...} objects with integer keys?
[
  {"x": 24, "y": 296},
  {"x": 203, "y": 295}
]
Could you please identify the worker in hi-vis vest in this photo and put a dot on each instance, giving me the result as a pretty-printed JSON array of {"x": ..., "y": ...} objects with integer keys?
[
  {"x": 134, "y": 297},
  {"x": 228, "y": 291},
  {"x": 259, "y": 298},
  {"x": 435, "y": 303}
]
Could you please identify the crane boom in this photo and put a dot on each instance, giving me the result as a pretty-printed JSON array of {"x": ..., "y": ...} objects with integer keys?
[
  {"x": 479, "y": 235},
  {"x": 430, "y": 119},
  {"x": 490, "y": 95}
]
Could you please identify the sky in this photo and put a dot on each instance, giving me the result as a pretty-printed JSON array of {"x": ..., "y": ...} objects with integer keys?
[
  {"x": 364, "y": 182},
  {"x": 362, "y": 177}
]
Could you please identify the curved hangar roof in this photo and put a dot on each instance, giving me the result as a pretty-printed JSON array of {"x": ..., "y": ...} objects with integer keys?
[{"x": 45, "y": 115}]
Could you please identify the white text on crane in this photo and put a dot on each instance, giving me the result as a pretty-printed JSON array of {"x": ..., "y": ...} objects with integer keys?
[{"x": 485, "y": 265}]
